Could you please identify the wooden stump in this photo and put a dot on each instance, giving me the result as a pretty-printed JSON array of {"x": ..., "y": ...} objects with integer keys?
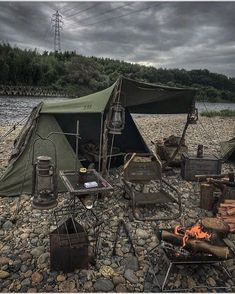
[{"x": 206, "y": 196}]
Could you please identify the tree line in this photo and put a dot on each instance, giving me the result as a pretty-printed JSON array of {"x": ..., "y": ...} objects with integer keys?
[{"x": 80, "y": 75}]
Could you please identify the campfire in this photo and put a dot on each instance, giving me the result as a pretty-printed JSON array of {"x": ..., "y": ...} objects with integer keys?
[
  {"x": 197, "y": 241},
  {"x": 195, "y": 231}
]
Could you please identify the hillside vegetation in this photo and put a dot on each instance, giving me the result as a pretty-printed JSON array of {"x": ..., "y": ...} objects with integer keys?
[{"x": 80, "y": 75}]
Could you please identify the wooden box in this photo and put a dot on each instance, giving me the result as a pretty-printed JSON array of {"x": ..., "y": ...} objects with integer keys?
[{"x": 192, "y": 165}]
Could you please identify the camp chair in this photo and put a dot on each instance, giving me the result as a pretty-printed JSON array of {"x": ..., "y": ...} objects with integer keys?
[{"x": 142, "y": 169}]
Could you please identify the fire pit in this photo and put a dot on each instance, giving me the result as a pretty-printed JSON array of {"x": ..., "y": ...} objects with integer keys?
[
  {"x": 177, "y": 247},
  {"x": 69, "y": 246}
]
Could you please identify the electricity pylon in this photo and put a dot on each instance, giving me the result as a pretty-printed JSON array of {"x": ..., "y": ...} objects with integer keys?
[{"x": 57, "y": 24}]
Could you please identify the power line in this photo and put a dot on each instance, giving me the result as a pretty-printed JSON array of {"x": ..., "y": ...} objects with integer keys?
[
  {"x": 81, "y": 11},
  {"x": 68, "y": 9},
  {"x": 129, "y": 13},
  {"x": 105, "y": 12}
]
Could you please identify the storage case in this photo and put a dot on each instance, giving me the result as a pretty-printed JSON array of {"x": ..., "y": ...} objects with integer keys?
[{"x": 192, "y": 165}]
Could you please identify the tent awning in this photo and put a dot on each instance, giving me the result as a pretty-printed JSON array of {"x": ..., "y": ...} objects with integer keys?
[
  {"x": 137, "y": 96},
  {"x": 94, "y": 103}
]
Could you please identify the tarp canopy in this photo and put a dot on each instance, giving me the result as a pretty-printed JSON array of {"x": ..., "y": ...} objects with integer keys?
[
  {"x": 91, "y": 110},
  {"x": 136, "y": 96}
]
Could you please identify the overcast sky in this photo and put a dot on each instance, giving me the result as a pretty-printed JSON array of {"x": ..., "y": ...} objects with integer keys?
[{"x": 188, "y": 35}]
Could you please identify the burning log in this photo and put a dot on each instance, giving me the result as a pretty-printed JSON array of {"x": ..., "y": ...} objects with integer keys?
[
  {"x": 196, "y": 245},
  {"x": 215, "y": 225}
]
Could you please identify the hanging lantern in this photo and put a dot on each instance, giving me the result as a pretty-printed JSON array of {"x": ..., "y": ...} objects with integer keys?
[
  {"x": 44, "y": 184},
  {"x": 117, "y": 119},
  {"x": 192, "y": 116}
]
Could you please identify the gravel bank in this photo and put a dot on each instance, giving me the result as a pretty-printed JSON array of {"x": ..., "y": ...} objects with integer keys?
[{"x": 24, "y": 234}]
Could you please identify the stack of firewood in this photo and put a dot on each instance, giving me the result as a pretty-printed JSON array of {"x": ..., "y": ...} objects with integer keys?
[{"x": 226, "y": 211}]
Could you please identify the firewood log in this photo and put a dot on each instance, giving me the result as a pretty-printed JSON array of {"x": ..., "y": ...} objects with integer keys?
[
  {"x": 229, "y": 219},
  {"x": 231, "y": 211},
  {"x": 229, "y": 201},
  {"x": 227, "y": 205},
  {"x": 196, "y": 245}
]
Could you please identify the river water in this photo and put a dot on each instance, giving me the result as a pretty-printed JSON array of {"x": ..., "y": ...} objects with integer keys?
[{"x": 14, "y": 109}]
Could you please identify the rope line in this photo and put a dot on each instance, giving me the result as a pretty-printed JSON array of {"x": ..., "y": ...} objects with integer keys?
[{"x": 12, "y": 129}]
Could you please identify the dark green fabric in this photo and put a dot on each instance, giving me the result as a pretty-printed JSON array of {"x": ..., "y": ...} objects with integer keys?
[
  {"x": 228, "y": 149},
  {"x": 146, "y": 98},
  {"x": 18, "y": 176},
  {"x": 94, "y": 103},
  {"x": 137, "y": 97}
]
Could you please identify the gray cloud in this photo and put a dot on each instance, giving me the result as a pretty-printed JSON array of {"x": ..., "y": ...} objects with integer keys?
[{"x": 186, "y": 35}]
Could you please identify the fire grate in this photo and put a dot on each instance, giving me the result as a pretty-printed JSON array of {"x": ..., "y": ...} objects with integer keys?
[
  {"x": 68, "y": 246},
  {"x": 165, "y": 257}
]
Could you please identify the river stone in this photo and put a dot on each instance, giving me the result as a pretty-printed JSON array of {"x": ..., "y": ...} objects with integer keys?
[
  {"x": 87, "y": 285},
  {"x": 177, "y": 283},
  {"x": 7, "y": 225},
  {"x": 118, "y": 280},
  {"x": 121, "y": 288},
  {"x": 4, "y": 274},
  {"x": 191, "y": 283},
  {"x": 142, "y": 234},
  {"x": 141, "y": 242},
  {"x": 36, "y": 252},
  {"x": 130, "y": 276},
  {"x": 36, "y": 278},
  {"x": 103, "y": 285},
  {"x": 4, "y": 260},
  {"x": 211, "y": 282},
  {"x": 25, "y": 256},
  {"x": 67, "y": 286},
  {"x": 24, "y": 268},
  {"x": 60, "y": 278},
  {"x": 26, "y": 282},
  {"x": 28, "y": 274},
  {"x": 132, "y": 263},
  {"x": 32, "y": 290},
  {"x": 24, "y": 236},
  {"x": 43, "y": 258}
]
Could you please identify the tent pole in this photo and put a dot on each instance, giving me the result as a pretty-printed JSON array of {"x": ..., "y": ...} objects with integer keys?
[
  {"x": 77, "y": 137},
  {"x": 101, "y": 132},
  {"x": 110, "y": 154},
  {"x": 105, "y": 148}
]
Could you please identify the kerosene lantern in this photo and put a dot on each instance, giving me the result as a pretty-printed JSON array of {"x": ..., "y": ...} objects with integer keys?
[
  {"x": 192, "y": 117},
  {"x": 44, "y": 184},
  {"x": 117, "y": 119}
]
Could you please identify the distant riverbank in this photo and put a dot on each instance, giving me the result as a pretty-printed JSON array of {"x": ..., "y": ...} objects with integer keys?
[{"x": 14, "y": 109}]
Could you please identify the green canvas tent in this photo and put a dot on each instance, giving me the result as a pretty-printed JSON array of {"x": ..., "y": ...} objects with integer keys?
[
  {"x": 228, "y": 149},
  {"x": 91, "y": 111}
]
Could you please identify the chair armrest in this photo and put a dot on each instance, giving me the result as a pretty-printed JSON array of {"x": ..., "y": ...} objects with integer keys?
[{"x": 174, "y": 189}]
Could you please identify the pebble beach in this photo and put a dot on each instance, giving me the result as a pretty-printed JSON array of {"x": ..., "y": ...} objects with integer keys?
[{"x": 24, "y": 233}]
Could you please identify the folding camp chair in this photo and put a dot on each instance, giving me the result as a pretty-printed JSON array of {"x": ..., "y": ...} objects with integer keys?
[{"x": 142, "y": 169}]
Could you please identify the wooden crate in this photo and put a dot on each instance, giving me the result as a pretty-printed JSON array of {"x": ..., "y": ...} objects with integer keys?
[{"x": 192, "y": 165}]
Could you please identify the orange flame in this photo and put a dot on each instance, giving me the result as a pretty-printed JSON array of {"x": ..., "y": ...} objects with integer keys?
[{"x": 194, "y": 232}]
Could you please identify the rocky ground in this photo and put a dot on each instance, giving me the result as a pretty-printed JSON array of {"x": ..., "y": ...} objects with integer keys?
[{"x": 24, "y": 233}]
